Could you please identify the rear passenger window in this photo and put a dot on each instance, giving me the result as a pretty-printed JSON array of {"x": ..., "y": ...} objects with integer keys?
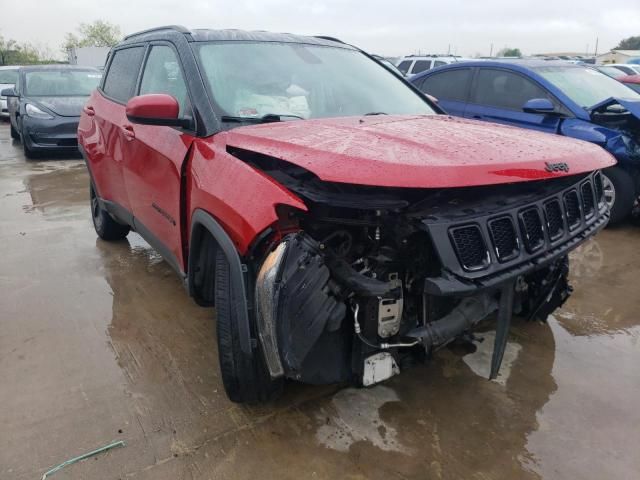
[
  {"x": 421, "y": 66},
  {"x": 162, "y": 74},
  {"x": 120, "y": 81},
  {"x": 404, "y": 66},
  {"x": 449, "y": 85},
  {"x": 503, "y": 89},
  {"x": 439, "y": 63}
]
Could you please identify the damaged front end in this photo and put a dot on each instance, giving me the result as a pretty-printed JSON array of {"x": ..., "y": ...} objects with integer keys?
[
  {"x": 371, "y": 279},
  {"x": 622, "y": 118}
]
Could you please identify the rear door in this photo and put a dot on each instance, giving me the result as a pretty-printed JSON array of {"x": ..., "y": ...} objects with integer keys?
[
  {"x": 451, "y": 87},
  {"x": 154, "y": 156},
  {"x": 101, "y": 126},
  {"x": 404, "y": 66},
  {"x": 420, "y": 66},
  {"x": 498, "y": 95}
]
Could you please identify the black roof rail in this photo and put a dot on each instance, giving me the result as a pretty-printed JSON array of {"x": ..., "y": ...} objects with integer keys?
[
  {"x": 176, "y": 28},
  {"x": 326, "y": 37}
]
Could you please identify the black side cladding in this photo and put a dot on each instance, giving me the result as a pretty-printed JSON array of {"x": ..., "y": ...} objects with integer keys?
[{"x": 307, "y": 305}]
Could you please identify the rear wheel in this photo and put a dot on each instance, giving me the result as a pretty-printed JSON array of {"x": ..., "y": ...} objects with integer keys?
[
  {"x": 106, "y": 227},
  {"x": 246, "y": 379},
  {"x": 619, "y": 193}
]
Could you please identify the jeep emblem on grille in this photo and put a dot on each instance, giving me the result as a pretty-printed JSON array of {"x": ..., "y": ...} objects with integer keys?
[{"x": 556, "y": 167}]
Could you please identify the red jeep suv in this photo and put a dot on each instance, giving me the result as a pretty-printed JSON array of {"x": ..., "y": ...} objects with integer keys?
[{"x": 339, "y": 222}]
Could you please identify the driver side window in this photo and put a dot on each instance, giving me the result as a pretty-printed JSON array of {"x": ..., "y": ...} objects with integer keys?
[
  {"x": 162, "y": 74},
  {"x": 503, "y": 89}
]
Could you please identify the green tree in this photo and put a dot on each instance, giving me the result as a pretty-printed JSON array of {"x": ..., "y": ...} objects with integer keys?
[
  {"x": 96, "y": 34},
  {"x": 14, "y": 53},
  {"x": 631, "y": 43},
  {"x": 510, "y": 52}
]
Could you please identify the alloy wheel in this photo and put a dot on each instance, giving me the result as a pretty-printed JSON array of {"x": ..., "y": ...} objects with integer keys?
[{"x": 609, "y": 191}]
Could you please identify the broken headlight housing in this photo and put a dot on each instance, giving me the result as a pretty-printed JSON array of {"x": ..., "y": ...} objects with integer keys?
[{"x": 267, "y": 307}]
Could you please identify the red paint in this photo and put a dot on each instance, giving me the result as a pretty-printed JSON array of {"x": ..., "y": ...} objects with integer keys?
[
  {"x": 426, "y": 152},
  {"x": 630, "y": 79},
  {"x": 142, "y": 172},
  {"x": 153, "y": 105}
]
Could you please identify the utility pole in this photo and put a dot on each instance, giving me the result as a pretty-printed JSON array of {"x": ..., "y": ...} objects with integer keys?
[
  {"x": 491, "y": 51},
  {"x": 596, "y": 52}
]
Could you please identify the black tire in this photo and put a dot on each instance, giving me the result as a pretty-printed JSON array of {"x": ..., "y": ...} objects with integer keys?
[
  {"x": 30, "y": 154},
  {"x": 106, "y": 227},
  {"x": 246, "y": 380},
  {"x": 14, "y": 133},
  {"x": 624, "y": 193}
]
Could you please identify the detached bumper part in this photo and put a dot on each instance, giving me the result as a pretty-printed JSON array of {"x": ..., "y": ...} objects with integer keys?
[{"x": 299, "y": 312}]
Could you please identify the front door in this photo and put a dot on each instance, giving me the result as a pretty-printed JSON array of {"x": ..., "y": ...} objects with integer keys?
[
  {"x": 498, "y": 96},
  {"x": 154, "y": 158}
]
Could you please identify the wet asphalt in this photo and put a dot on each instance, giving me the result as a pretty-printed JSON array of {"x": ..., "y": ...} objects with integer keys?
[{"x": 99, "y": 342}]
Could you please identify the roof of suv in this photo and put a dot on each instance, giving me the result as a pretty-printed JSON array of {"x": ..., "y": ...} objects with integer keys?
[
  {"x": 231, "y": 35},
  {"x": 55, "y": 66},
  {"x": 521, "y": 65}
]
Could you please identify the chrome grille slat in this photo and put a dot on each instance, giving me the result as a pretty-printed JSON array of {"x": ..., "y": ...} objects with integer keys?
[
  {"x": 470, "y": 246},
  {"x": 554, "y": 217},
  {"x": 588, "y": 203},
  {"x": 531, "y": 228},
  {"x": 504, "y": 238},
  {"x": 572, "y": 209}
]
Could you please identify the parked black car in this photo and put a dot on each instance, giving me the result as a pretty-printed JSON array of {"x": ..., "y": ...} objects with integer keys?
[{"x": 45, "y": 106}]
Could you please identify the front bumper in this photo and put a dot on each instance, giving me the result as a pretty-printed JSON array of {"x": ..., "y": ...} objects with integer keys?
[
  {"x": 482, "y": 250},
  {"x": 57, "y": 134}
]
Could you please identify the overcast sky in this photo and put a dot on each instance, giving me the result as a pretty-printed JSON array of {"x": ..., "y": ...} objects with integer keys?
[{"x": 389, "y": 27}]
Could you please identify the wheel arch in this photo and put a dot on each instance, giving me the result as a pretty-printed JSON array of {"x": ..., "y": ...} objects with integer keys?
[{"x": 206, "y": 237}]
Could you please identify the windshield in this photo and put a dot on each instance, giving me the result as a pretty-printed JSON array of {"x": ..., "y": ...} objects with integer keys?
[
  {"x": 586, "y": 86},
  {"x": 61, "y": 83},
  {"x": 251, "y": 80},
  {"x": 8, "y": 76}
]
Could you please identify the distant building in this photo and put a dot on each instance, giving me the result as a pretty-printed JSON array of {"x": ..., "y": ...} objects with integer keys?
[
  {"x": 88, "y": 56},
  {"x": 617, "y": 56}
]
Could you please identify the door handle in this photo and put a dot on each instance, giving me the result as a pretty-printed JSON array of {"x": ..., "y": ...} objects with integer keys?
[
  {"x": 127, "y": 131},
  {"x": 89, "y": 110},
  {"x": 477, "y": 117}
]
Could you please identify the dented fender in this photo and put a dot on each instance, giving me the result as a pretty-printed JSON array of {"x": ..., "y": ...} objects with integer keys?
[{"x": 244, "y": 203}]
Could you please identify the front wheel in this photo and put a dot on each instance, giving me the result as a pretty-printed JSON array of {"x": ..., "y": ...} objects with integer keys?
[
  {"x": 246, "y": 379},
  {"x": 106, "y": 227},
  {"x": 28, "y": 152},
  {"x": 619, "y": 193},
  {"x": 14, "y": 133}
]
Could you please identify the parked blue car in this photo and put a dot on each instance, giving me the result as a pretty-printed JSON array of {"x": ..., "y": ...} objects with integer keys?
[{"x": 555, "y": 97}]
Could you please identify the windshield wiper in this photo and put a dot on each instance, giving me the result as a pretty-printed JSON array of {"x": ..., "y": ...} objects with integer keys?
[
  {"x": 266, "y": 118},
  {"x": 376, "y": 113}
]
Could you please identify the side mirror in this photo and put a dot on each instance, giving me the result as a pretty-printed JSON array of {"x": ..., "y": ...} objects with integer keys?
[
  {"x": 539, "y": 105},
  {"x": 156, "y": 109},
  {"x": 8, "y": 92}
]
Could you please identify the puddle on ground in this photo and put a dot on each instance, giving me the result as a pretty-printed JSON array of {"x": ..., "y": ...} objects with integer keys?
[
  {"x": 357, "y": 418},
  {"x": 480, "y": 360}
]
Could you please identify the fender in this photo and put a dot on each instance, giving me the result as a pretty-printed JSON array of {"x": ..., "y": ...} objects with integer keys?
[{"x": 201, "y": 219}]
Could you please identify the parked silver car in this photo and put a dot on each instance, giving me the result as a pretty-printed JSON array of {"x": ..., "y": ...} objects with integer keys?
[{"x": 8, "y": 76}]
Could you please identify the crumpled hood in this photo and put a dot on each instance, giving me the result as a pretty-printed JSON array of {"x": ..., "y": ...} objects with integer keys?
[
  {"x": 419, "y": 151},
  {"x": 63, "y": 106},
  {"x": 632, "y": 106}
]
